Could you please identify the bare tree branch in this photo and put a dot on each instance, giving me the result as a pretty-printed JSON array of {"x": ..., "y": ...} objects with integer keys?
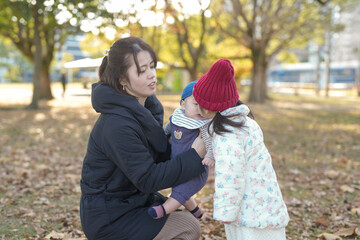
[
  {"x": 230, "y": 34},
  {"x": 323, "y": 2},
  {"x": 238, "y": 11}
]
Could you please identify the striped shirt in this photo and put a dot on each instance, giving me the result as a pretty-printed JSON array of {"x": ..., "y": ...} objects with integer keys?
[{"x": 178, "y": 118}]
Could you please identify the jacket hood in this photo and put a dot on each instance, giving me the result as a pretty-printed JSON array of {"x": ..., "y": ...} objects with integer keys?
[
  {"x": 242, "y": 110},
  {"x": 107, "y": 100}
]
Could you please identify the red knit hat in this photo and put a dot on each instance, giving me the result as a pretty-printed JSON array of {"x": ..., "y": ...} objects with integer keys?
[{"x": 216, "y": 89}]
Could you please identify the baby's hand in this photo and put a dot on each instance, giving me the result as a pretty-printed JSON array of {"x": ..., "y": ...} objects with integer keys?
[
  {"x": 208, "y": 162},
  {"x": 226, "y": 222}
]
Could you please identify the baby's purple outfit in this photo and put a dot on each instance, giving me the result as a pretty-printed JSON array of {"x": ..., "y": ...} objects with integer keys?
[{"x": 182, "y": 139}]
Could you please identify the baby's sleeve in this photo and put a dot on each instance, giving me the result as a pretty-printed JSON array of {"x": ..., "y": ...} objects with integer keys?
[
  {"x": 167, "y": 128},
  {"x": 207, "y": 140}
]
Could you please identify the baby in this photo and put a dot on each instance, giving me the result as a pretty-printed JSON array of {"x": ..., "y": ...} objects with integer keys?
[{"x": 184, "y": 127}]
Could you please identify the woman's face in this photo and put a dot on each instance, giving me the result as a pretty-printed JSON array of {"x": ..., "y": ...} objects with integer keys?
[
  {"x": 141, "y": 85},
  {"x": 191, "y": 109}
]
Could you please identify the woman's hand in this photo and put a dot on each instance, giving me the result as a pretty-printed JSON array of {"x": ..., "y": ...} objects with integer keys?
[{"x": 199, "y": 146}]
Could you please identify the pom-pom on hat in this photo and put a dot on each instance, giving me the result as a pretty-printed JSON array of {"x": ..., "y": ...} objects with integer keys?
[
  {"x": 216, "y": 90},
  {"x": 187, "y": 91}
]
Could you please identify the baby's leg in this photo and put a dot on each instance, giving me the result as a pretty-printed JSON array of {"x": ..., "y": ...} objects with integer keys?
[
  {"x": 193, "y": 208},
  {"x": 179, "y": 196},
  {"x": 169, "y": 206},
  {"x": 190, "y": 204}
]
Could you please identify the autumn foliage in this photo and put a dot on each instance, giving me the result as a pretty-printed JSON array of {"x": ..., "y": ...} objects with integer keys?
[{"x": 315, "y": 144}]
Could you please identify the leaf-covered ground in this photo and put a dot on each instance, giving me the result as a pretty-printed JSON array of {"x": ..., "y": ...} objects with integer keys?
[{"x": 314, "y": 142}]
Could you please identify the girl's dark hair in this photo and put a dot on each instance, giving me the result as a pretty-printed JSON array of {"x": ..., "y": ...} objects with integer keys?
[
  {"x": 219, "y": 122},
  {"x": 120, "y": 57}
]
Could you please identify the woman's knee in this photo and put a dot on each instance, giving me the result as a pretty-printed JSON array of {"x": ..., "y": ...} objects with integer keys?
[
  {"x": 190, "y": 225},
  {"x": 195, "y": 227},
  {"x": 180, "y": 225}
]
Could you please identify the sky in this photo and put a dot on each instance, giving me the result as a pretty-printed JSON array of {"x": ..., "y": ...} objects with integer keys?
[{"x": 144, "y": 16}]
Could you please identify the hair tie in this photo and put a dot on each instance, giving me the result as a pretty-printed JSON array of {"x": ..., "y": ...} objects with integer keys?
[{"x": 106, "y": 52}]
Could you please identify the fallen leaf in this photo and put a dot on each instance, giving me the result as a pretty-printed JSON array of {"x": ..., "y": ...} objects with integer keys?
[
  {"x": 322, "y": 221},
  {"x": 42, "y": 201},
  {"x": 329, "y": 236},
  {"x": 55, "y": 235},
  {"x": 346, "y": 188},
  {"x": 355, "y": 211},
  {"x": 293, "y": 202},
  {"x": 25, "y": 212},
  {"x": 332, "y": 173},
  {"x": 346, "y": 232},
  {"x": 38, "y": 229}
]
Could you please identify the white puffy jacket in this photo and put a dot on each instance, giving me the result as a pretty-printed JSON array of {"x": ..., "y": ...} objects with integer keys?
[{"x": 246, "y": 189}]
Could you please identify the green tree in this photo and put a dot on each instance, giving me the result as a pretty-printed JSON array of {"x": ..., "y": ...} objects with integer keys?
[
  {"x": 179, "y": 40},
  {"x": 127, "y": 18},
  {"x": 56, "y": 20},
  {"x": 15, "y": 63},
  {"x": 185, "y": 40},
  {"x": 95, "y": 44},
  {"x": 265, "y": 28},
  {"x": 219, "y": 46}
]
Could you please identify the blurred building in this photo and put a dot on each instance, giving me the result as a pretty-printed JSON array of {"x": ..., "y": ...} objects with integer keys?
[
  {"x": 72, "y": 49},
  {"x": 346, "y": 44},
  {"x": 3, "y": 71},
  {"x": 345, "y": 59}
]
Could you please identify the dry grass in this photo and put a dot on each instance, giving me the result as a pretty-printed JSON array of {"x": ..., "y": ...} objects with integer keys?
[{"x": 315, "y": 144}]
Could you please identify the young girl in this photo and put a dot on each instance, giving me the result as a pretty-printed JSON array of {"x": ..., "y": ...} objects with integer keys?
[{"x": 247, "y": 196}]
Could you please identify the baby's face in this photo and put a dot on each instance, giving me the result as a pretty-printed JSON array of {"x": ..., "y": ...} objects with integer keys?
[{"x": 191, "y": 108}]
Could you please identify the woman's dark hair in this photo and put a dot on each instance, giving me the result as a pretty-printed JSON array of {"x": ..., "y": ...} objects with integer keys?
[
  {"x": 120, "y": 57},
  {"x": 219, "y": 122}
]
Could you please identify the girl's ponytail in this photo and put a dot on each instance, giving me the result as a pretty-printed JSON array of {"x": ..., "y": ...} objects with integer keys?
[{"x": 103, "y": 66}]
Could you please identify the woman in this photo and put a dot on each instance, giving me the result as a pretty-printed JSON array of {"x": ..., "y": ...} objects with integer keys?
[{"x": 127, "y": 159}]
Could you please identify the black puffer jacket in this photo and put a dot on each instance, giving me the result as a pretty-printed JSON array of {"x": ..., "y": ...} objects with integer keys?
[{"x": 126, "y": 163}]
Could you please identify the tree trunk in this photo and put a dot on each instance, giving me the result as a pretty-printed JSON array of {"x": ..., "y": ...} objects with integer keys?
[
  {"x": 258, "y": 91},
  {"x": 328, "y": 54},
  {"x": 264, "y": 80},
  {"x": 327, "y": 64},
  {"x": 357, "y": 78},
  {"x": 45, "y": 87},
  {"x": 255, "y": 93},
  {"x": 193, "y": 75},
  {"x": 38, "y": 60},
  {"x": 317, "y": 74}
]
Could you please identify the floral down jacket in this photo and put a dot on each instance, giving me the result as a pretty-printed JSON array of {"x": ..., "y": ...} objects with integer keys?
[{"x": 246, "y": 189}]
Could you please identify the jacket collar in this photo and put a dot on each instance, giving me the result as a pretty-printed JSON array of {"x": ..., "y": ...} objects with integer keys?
[{"x": 107, "y": 100}]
